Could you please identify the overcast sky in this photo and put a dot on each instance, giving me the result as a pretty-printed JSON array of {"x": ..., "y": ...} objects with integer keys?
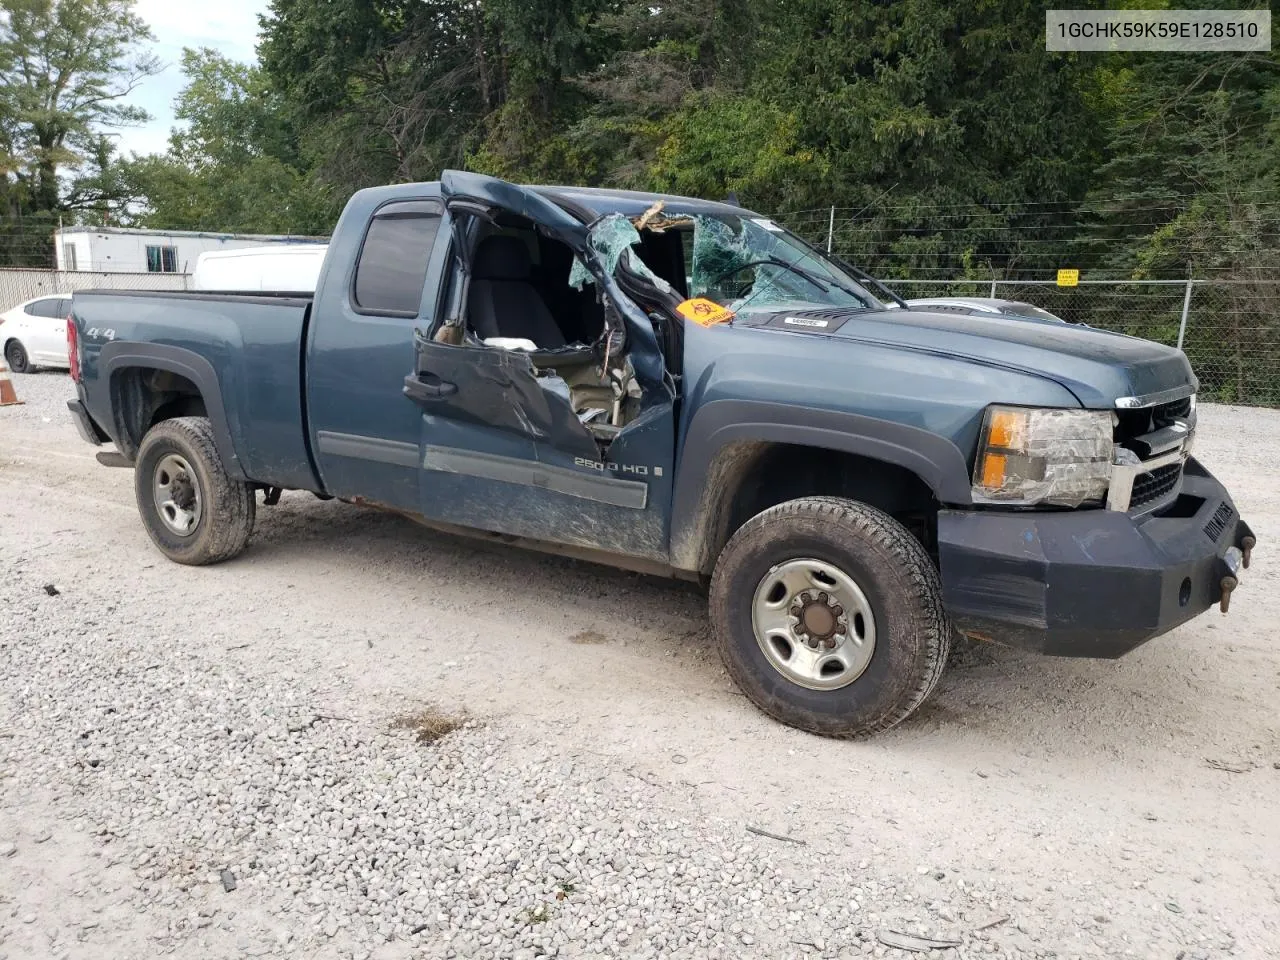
[{"x": 229, "y": 26}]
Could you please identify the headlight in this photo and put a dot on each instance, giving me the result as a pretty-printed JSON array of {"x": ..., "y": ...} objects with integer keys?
[{"x": 1058, "y": 457}]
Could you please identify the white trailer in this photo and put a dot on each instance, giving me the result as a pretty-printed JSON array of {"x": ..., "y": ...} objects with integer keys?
[{"x": 123, "y": 250}]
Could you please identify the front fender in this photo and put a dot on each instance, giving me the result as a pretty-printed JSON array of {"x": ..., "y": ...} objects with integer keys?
[{"x": 723, "y": 431}]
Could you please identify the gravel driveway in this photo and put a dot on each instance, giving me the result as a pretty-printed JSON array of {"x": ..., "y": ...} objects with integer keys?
[{"x": 242, "y": 760}]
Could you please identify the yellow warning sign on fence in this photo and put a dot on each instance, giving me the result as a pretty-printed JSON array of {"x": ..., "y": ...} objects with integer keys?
[{"x": 1068, "y": 278}]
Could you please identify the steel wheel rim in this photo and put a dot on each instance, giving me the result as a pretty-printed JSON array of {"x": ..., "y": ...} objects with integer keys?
[
  {"x": 177, "y": 495},
  {"x": 16, "y": 356},
  {"x": 813, "y": 623}
]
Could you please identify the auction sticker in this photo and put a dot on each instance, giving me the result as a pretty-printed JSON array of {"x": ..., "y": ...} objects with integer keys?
[{"x": 704, "y": 312}]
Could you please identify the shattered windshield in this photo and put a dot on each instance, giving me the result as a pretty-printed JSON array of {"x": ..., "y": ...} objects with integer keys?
[
  {"x": 743, "y": 262},
  {"x": 739, "y": 262}
]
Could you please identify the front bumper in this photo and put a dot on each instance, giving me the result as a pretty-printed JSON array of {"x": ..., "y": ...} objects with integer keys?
[{"x": 1088, "y": 583}]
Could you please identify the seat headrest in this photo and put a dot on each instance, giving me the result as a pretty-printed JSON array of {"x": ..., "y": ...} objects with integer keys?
[{"x": 502, "y": 258}]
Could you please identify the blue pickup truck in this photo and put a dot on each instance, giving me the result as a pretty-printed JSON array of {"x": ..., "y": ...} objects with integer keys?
[{"x": 685, "y": 388}]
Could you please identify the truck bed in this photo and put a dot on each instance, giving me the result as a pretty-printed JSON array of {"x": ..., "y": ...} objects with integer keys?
[{"x": 248, "y": 362}]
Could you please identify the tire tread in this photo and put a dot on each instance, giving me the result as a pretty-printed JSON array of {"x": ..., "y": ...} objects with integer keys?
[
  {"x": 231, "y": 504},
  {"x": 866, "y": 523}
]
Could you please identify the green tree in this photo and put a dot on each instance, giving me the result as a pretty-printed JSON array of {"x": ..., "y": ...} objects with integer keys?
[
  {"x": 935, "y": 119},
  {"x": 65, "y": 67},
  {"x": 717, "y": 143},
  {"x": 1192, "y": 187},
  {"x": 1193, "y": 147},
  {"x": 384, "y": 91},
  {"x": 539, "y": 48},
  {"x": 233, "y": 165},
  {"x": 668, "y": 107},
  {"x": 102, "y": 192}
]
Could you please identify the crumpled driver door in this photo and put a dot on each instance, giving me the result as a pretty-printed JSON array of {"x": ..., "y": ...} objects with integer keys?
[
  {"x": 502, "y": 447},
  {"x": 494, "y": 389}
]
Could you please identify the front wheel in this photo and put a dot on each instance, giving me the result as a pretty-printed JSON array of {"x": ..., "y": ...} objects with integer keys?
[
  {"x": 16, "y": 356},
  {"x": 828, "y": 614},
  {"x": 194, "y": 511}
]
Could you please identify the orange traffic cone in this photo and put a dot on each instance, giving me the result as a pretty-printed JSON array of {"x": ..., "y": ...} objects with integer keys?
[{"x": 8, "y": 396}]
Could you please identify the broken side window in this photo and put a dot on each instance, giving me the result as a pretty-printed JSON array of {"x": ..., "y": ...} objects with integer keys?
[{"x": 611, "y": 239}]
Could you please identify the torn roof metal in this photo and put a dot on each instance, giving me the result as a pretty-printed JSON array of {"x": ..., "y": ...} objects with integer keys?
[
  {"x": 632, "y": 203},
  {"x": 589, "y": 203},
  {"x": 476, "y": 187}
]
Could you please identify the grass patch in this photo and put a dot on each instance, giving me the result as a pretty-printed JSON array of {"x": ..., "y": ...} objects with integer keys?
[
  {"x": 588, "y": 637},
  {"x": 540, "y": 913},
  {"x": 429, "y": 724}
]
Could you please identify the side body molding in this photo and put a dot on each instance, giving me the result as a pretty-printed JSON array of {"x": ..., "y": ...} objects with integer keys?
[
  {"x": 121, "y": 355},
  {"x": 723, "y": 425}
]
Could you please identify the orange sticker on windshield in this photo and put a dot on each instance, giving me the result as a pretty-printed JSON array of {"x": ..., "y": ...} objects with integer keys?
[{"x": 703, "y": 312}]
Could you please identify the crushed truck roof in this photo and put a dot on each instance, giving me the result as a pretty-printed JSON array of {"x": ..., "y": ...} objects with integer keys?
[{"x": 632, "y": 203}]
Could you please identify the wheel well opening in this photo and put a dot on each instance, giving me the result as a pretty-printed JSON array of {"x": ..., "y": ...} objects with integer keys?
[
  {"x": 143, "y": 397},
  {"x": 774, "y": 473}
]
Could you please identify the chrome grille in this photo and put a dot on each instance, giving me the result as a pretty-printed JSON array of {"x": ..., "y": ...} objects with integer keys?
[
  {"x": 1164, "y": 414},
  {"x": 1158, "y": 483},
  {"x": 1143, "y": 420}
]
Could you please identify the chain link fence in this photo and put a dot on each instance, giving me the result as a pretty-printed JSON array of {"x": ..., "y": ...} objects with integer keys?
[
  {"x": 1229, "y": 330},
  {"x": 1229, "y": 327},
  {"x": 19, "y": 284}
]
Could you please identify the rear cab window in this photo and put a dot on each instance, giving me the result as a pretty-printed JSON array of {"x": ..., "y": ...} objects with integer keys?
[{"x": 392, "y": 266}]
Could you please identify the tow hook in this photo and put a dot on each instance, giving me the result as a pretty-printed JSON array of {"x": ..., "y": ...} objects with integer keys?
[
  {"x": 1232, "y": 560},
  {"x": 1228, "y": 584},
  {"x": 1246, "y": 549}
]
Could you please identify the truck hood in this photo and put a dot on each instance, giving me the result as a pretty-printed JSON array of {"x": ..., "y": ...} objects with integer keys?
[{"x": 1098, "y": 366}]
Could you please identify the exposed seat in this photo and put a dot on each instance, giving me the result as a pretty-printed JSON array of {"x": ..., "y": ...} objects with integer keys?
[{"x": 503, "y": 302}]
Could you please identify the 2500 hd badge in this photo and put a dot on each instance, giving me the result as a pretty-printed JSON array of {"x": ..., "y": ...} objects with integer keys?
[{"x": 635, "y": 469}]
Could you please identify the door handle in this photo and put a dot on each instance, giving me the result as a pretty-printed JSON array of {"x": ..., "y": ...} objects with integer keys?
[
  {"x": 441, "y": 389},
  {"x": 417, "y": 389}
]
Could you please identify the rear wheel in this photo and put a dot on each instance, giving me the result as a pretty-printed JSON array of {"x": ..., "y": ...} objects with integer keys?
[
  {"x": 194, "y": 511},
  {"x": 15, "y": 355},
  {"x": 828, "y": 614}
]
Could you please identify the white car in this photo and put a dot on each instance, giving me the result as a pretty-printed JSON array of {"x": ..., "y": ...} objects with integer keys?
[
  {"x": 34, "y": 334},
  {"x": 988, "y": 306}
]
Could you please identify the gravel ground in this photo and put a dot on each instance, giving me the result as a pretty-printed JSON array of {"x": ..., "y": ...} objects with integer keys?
[{"x": 236, "y": 761}]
